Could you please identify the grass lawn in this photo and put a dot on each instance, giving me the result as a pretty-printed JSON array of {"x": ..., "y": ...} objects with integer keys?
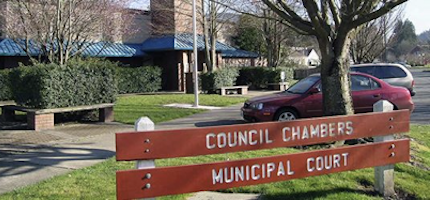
[
  {"x": 130, "y": 108},
  {"x": 98, "y": 182}
]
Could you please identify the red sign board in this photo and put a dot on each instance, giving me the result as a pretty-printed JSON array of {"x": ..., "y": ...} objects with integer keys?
[
  {"x": 225, "y": 139},
  {"x": 214, "y": 176}
]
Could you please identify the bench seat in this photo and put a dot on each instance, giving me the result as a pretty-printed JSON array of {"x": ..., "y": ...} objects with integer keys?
[
  {"x": 42, "y": 119},
  {"x": 241, "y": 89}
]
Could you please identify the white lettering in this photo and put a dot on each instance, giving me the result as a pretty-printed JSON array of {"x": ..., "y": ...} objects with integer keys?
[
  {"x": 208, "y": 141},
  {"x": 305, "y": 134},
  {"x": 232, "y": 142},
  {"x": 341, "y": 128},
  {"x": 310, "y": 169},
  {"x": 281, "y": 169},
  {"x": 270, "y": 168},
  {"x": 243, "y": 138},
  {"x": 222, "y": 140},
  {"x": 336, "y": 161},
  {"x": 290, "y": 172},
  {"x": 345, "y": 159},
  {"x": 324, "y": 130},
  {"x": 268, "y": 141},
  {"x": 284, "y": 134},
  {"x": 296, "y": 133},
  {"x": 217, "y": 178},
  {"x": 251, "y": 137},
  {"x": 253, "y": 174},
  {"x": 332, "y": 129},
  {"x": 349, "y": 128}
]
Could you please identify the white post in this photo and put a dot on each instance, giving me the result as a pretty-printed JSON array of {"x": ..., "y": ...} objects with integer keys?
[
  {"x": 384, "y": 175},
  {"x": 195, "y": 71},
  {"x": 145, "y": 124}
]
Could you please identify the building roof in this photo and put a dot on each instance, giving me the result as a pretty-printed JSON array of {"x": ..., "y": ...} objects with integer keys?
[
  {"x": 9, "y": 47},
  {"x": 184, "y": 42},
  {"x": 180, "y": 41},
  {"x": 238, "y": 53}
]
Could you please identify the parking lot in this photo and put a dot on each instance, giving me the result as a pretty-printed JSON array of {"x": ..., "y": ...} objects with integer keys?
[{"x": 421, "y": 114}]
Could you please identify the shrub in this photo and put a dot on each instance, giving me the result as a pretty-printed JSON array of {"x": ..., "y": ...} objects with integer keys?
[
  {"x": 260, "y": 77},
  {"x": 212, "y": 81},
  {"x": 5, "y": 92},
  {"x": 79, "y": 82},
  {"x": 138, "y": 80}
]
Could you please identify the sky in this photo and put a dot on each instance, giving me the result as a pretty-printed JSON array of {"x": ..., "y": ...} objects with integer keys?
[{"x": 417, "y": 11}]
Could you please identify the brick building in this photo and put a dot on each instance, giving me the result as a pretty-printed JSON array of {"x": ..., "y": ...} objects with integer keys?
[{"x": 164, "y": 39}]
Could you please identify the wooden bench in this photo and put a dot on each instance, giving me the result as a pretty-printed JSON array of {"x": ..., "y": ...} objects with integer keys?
[
  {"x": 279, "y": 86},
  {"x": 243, "y": 89},
  {"x": 42, "y": 119}
]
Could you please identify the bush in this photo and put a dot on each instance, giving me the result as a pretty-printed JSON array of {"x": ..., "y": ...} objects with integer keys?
[
  {"x": 212, "y": 81},
  {"x": 260, "y": 77},
  {"x": 138, "y": 80},
  {"x": 5, "y": 92},
  {"x": 80, "y": 82}
]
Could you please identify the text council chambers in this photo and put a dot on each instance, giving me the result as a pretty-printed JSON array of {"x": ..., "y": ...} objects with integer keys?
[{"x": 254, "y": 137}]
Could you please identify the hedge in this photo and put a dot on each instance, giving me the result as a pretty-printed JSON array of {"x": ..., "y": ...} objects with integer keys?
[
  {"x": 5, "y": 92},
  {"x": 138, "y": 80},
  {"x": 80, "y": 82},
  {"x": 212, "y": 81},
  {"x": 260, "y": 77}
]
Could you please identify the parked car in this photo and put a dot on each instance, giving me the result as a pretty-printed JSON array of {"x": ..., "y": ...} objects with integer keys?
[
  {"x": 394, "y": 74},
  {"x": 304, "y": 99}
]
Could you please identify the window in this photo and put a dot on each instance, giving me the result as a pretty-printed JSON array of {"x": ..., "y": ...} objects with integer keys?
[
  {"x": 374, "y": 85},
  {"x": 366, "y": 70},
  {"x": 303, "y": 85},
  {"x": 384, "y": 72},
  {"x": 360, "y": 83}
]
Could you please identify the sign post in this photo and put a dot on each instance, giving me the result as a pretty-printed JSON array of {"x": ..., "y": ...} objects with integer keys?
[
  {"x": 384, "y": 175},
  {"x": 145, "y": 124}
]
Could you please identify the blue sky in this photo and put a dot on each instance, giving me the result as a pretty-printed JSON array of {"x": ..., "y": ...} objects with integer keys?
[{"x": 418, "y": 11}]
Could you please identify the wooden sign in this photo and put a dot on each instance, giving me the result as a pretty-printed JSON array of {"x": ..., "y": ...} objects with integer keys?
[
  {"x": 214, "y": 176},
  {"x": 225, "y": 139}
]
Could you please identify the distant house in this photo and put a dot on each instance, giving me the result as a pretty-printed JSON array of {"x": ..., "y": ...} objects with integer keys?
[
  {"x": 305, "y": 56},
  {"x": 164, "y": 39}
]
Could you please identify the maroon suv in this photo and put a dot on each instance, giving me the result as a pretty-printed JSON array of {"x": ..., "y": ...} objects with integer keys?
[{"x": 304, "y": 99}]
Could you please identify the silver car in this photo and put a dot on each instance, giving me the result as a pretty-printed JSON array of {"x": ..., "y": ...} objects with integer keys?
[{"x": 394, "y": 74}]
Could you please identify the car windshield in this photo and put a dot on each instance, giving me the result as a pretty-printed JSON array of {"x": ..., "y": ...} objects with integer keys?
[{"x": 303, "y": 85}]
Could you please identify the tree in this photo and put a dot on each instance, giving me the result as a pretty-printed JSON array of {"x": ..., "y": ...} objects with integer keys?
[
  {"x": 269, "y": 37},
  {"x": 62, "y": 29},
  {"x": 249, "y": 34},
  {"x": 334, "y": 24},
  {"x": 212, "y": 12},
  {"x": 371, "y": 38},
  {"x": 404, "y": 38}
]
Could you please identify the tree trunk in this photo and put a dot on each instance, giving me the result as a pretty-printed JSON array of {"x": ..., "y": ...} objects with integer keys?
[
  {"x": 213, "y": 52},
  {"x": 335, "y": 75},
  {"x": 206, "y": 38}
]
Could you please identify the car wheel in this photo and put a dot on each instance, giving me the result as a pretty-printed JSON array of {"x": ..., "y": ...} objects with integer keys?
[{"x": 286, "y": 115}]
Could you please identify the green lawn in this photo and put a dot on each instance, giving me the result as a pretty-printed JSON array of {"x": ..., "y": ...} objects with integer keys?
[
  {"x": 98, "y": 182},
  {"x": 130, "y": 108}
]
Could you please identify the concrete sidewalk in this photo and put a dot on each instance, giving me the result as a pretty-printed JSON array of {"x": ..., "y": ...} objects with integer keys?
[{"x": 27, "y": 157}]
